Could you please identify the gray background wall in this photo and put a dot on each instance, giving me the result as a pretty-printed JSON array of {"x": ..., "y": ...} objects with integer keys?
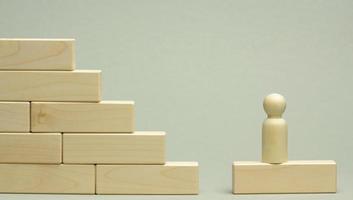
[{"x": 200, "y": 69}]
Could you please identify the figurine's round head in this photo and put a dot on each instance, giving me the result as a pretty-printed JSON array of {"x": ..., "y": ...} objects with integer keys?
[{"x": 274, "y": 105}]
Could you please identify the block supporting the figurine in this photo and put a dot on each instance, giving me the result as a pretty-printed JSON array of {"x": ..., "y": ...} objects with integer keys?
[{"x": 289, "y": 177}]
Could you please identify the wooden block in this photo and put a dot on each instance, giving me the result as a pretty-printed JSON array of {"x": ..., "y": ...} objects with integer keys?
[
  {"x": 171, "y": 178},
  {"x": 136, "y": 148},
  {"x": 30, "y": 148},
  {"x": 78, "y": 85},
  {"x": 14, "y": 117},
  {"x": 37, "y": 54},
  {"x": 289, "y": 177},
  {"x": 105, "y": 116},
  {"x": 39, "y": 178}
]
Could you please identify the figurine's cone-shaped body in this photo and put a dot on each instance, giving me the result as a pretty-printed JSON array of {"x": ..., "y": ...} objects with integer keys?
[{"x": 274, "y": 131}]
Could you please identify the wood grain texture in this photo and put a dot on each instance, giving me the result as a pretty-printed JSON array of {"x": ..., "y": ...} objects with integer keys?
[
  {"x": 14, "y": 117},
  {"x": 37, "y": 54},
  {"x": 30, "y": 148},
  {"x": 78, "y": 85},
  {"x": 136, "y": 148},
  {"x": 289, "y": 177},
  {"x": 105, "y": 116},
  {"x": 37, "y": 178},
  {"x": 171, "y": 178}
]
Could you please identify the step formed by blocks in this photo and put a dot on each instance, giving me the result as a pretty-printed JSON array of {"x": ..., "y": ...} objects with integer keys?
[
  {"x": 78, "y": 85},
  {"x": 30, "y": 148},
  {"x": 135, "y": 148},
  {"x": 57, "y": 136},
  {"x": 14, "y": 117},
  {"x": 171, "y": 178},
  {"x": 42, "y": 178},
  {"x": 105, "y": 116},
  {"x": 37, "y": 54},
  {"x": 289, "y": 177}
]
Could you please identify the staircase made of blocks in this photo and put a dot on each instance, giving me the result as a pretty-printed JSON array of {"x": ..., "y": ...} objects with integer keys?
[{"x": 58, "y": 136}]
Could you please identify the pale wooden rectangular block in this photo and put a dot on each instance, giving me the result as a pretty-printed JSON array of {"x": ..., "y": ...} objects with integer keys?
[
  {"x": 40, "y": 178},
  {"x": 135, "y": 148},
  {"x": 289, "y": 177},
  {"x": 37, "y": 54},
  {"x": 78, "y": 85},
  {"x": 14, "y": 117},
  {"x": 30, "y": 148},
  {"x": 105, "y": 116},
  {"x": 171, "y": 178}
]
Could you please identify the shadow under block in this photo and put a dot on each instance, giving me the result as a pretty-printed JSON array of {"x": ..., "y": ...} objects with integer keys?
[
  {"x": 135, "y": 148},
  {"x": 37, "y": 54},
  {"x": 78, "y": 85},
  {"x": 171, "y": 178},
  {"x": 37, "y": 178},
  {"x": 289, "y": 177},
  {"x": 14, "y": 117},
  {"x": 30, "y": 148},
  {"x": 105, "y": 116}
]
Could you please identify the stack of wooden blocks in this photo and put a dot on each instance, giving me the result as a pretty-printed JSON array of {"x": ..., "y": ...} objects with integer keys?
[{"x": 57, "y": 136}]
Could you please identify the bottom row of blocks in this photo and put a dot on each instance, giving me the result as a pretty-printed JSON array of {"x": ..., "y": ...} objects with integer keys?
[{"x": 170, "y": 178}]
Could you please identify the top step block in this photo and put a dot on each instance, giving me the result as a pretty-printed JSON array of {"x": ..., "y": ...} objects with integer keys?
[{"x": 37, "y": 54}]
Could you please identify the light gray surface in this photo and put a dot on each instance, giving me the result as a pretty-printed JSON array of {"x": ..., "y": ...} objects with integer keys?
[{"x": 200, "y": 69}]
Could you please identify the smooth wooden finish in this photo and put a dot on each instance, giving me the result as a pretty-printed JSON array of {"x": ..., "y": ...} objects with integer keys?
[
  {"x": 136, "y": 148},
  {"x": 274, "y": 130},
  {"x": 37, "y": 54},
  {"x": 78, "y": 85},
  {"x": 14, "y": 117},
  {"x": 105, "y": 116},
  {"x": 289, "y": 177},
  {"x": 37, "y": 178},
  {"x": 30, "y": 148},
  {"x": 171, "y": 178}
]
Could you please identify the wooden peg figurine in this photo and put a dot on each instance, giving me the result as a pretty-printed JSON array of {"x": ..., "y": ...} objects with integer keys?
[{"x": 274, "y": 130}]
